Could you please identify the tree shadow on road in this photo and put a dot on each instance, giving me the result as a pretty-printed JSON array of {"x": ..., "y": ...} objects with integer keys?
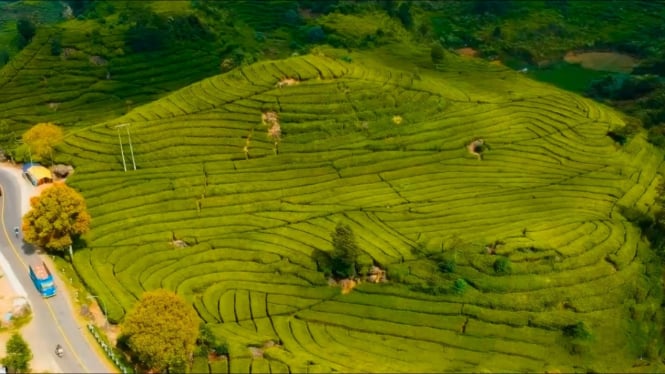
[{"x": 29, "y": 249}]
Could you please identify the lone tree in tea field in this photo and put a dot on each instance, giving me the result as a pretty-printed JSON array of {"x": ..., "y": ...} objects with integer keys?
[
  {"x": 161, "y": 332},
  {"x": 345, "y": 252},
  {"x": 42, "y": 139},
  {"x": 57, "y": 216},
  {"x": 437, "y": 53}
]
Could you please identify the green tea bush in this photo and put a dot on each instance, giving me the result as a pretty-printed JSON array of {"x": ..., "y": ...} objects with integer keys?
[
  {"x": 398, "y": 272},
  {"x": 437, "y": 53},
  {"x": 502, "y": 265},
  {"x": 460, "y": 286},
  {"x": 622, "y": 134},
  {"x": 447, "y": 265}
]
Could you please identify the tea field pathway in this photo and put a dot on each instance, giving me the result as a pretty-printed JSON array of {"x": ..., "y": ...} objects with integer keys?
[{"x": 53, "y": 320}]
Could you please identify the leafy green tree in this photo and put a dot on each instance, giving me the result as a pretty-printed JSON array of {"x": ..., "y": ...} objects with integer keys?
[
  {"x": 291, "y": 17},
  {"x": 188, "y": 28},
  {"x": 42, "y": 139},
  {"x": 437, "y": 53},
  {"x": 6, "y": 135},
  {"x": 57, "y": 215},
  {"x": 390, "y": 6},
  {"x": 345, "y": 252},
  {"x": 578, "y": 337},
  {"x": 149, "y": 32},
  {"x": 404, "y": 15},
  {"x": 79, "y": 6},
  {"x": 622, "y": 134},
  {"x": 18, "y": 354},
  {"x": 502, "y": 265},
  {"x": 447, "y": 265},
  {"x": 26, "y": 31},
  {"x": 56, "y": 46},
  {"x": 494, "y": 7},
  {"x": 577, "y": 331},
  {"x": 20, "y": 153},
  {"x": 460, "y": 286},
  {"x": 161, "y": 331},
  {"x": 315, "y": 34},
  {"x": 146, "y": 38},
  {"x": 208, "y": 343}
]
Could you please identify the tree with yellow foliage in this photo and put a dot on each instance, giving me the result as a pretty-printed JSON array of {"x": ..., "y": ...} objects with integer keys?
[
  {"x": 161, "y": 332},
  {"x": 57, "y": 215},
  {"x": 41, "y": 139}
]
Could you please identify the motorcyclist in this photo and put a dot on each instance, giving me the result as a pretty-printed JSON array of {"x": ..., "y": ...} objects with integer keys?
[
  {"x": 16, "y": 231},
  {"x": 58, "y": 350}
]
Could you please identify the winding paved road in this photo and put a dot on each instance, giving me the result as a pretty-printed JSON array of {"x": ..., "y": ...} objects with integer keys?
[{"x": 53, "y": 319}]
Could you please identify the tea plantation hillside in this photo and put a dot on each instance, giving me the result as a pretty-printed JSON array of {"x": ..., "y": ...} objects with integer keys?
[
  {"x": 80, "y": 72},
  {"x": 384, "y": 151}
]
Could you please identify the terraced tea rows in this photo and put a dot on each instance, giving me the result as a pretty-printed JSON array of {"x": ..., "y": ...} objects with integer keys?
[
  {"x": 386, "y": 153},
  {"x": 79, "y": 87}
]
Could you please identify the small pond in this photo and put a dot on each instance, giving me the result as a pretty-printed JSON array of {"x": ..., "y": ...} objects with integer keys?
[{"x": 576, "y": 71}]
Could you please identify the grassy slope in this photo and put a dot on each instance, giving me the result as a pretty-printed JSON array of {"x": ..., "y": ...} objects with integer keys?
[{"x": 253, "y": 225}]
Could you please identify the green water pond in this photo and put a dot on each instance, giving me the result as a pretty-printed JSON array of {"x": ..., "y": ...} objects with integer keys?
[{"x": 571, "y": 77}]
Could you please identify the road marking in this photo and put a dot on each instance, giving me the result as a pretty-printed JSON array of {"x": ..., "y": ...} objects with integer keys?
[{"x": 48, "y": 305}]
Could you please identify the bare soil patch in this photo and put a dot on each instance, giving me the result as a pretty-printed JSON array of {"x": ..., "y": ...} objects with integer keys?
[
  {"x": 475, "y": 148},
  {"x": 604, "y": 61},
  {"x": 6, "y": 300},
  {"x": 97, "y": 318},
  {"x": 287, "y": 82},
  {"x": 467, "y": 51}
]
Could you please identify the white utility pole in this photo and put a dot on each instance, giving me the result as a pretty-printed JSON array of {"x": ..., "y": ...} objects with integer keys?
[
  {"x": 122, "y": 153},
  {"x": 131, "y": 149},
  {"x": 130, "y": 146}
]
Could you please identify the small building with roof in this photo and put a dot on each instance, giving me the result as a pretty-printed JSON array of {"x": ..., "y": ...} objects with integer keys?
[{"x": 37, "y": 174}]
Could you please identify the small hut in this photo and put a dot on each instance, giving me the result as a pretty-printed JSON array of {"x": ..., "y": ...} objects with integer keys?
[{"x": 37, "y": 174}]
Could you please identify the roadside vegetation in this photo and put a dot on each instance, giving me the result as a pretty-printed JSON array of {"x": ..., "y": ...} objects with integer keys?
[
  {"x": 58, "y": 217},
  {"x": 315, "y": 188},
  {"x": 161, "y": 331},
  {"x": 18, "y": 355}
]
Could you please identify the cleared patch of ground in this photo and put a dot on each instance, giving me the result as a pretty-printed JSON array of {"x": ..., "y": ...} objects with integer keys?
[{"x": 604, "y": 61}]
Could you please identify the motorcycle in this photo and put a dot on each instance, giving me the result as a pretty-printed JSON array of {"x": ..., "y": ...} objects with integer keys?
[{"x": 59, "y": 351}]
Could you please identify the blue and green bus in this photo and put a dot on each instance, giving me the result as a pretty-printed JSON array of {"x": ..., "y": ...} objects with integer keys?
[{"x": 43, "y": 280}]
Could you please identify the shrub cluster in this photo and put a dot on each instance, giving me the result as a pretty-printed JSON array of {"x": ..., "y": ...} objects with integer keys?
[
  {"x": 343, "y": 261},
  {"x": 26, "y": 31},
  {"x": 208, "y": 343},
  {"x": 151, "y": 32},
  {"x": 502, "y": 265}
]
